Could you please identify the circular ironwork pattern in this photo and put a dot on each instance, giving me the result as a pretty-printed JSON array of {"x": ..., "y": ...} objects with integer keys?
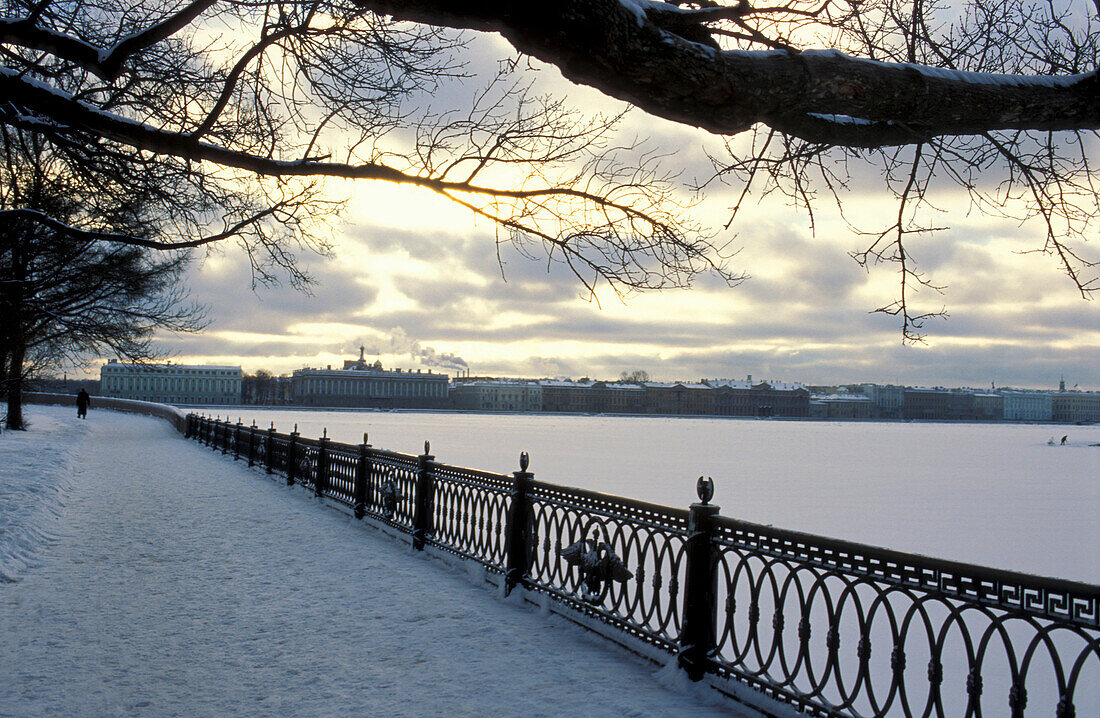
[
  {"x": 469, "y": 518},
  {"x": 837, "y": 641},
  {"x": 648, "y": 601}
]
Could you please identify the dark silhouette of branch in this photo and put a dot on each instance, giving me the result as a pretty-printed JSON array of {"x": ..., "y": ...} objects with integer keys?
[{"x": 339, "y": 88}]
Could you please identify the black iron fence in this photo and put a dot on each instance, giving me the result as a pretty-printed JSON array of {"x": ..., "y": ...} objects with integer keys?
[{"x": 821, "y": 626}]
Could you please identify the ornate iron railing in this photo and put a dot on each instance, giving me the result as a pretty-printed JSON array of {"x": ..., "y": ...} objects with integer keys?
[{"x": 822, "y": 626}]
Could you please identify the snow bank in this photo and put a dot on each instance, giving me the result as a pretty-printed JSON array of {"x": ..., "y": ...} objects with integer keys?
[{"x": 36, "y": 470}]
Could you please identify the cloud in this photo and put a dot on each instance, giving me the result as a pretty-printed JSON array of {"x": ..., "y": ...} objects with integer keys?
[
  {"x": 423, "y": 280},
  {"x": 225, "y": 287}
]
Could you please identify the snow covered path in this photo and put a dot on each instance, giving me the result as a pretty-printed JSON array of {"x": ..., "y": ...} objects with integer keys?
[{"x": 181, "y": 583}]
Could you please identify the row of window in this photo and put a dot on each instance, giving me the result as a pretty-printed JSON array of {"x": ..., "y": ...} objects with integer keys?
[
  {"x": 202, "y": 400},
  {"x": 153, "y": 370},
  {"x": 171, "y": 385},
  {"x": 350, "y": 387}
]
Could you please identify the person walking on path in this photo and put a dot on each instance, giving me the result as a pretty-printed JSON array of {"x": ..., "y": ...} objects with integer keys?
[{"x": 83, "y": 401}]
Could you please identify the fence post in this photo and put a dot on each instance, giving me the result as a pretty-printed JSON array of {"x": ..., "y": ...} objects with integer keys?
[
  {"x": 237, "y": 440},
  {"x": 320, "y": 483},
  {"x": 518, "y": 541},
  {"x": 252, "y": 444},
  {"x": 425, "y": 490},
  {"x": 269, "y": 449},
  {"x": 362, "y": 478},
  {"x": 208, "y": 432},
  {"x": 292, "y": 456},
  {"x": 225, "y": 437},
  {"x": 697, "y": 633},
  {"x": 190, "y": 422}
]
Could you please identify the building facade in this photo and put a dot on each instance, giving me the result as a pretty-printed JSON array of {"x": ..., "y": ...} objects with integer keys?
[
  {"x": 562, "y": 395},
  {"x": 844, "y": 406},
  {"x": 988, "y": 406},
  {"x": 364, "y": 385},
  {"x": 1020, "y": 405},
  {"x": 616, "y": 398},
  {"x": 497, "y": 395},
  {"x": 1073, "y": 407},
  {"x": 172, "y": 383},
  {"x": 679, "y": 398},
  {"x": 888, "y": 400},
  {"x": 733, "y": 397},
  {"x": 938, "y": 404}
]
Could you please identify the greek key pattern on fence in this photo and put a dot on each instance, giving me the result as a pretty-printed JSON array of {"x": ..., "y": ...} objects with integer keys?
[{"x": 826, "y": 627}]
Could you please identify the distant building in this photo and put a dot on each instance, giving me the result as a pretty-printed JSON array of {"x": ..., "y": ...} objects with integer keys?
[
  {"x": 939, "y": 404},
  {"x": 736, "y": 397},
  {"x": 360, "y": 384},
  {"x": 844, "y": 406},
  {"x": 497, "y": 395},
  {"x": 171, "y": 383},
  {"x": 616, "y": 398},
  {"x": 1023, "y": 405},
  {"x": 678, "y": 398},
  {"x": 562, "y": 395},
  {"x": 988, "y": 406},
  {"x": 1075, "y": 406},
  {"x": 888, "y": 400}
]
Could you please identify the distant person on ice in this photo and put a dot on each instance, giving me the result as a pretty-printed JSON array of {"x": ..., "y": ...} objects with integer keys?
[
  {"x": 83, "y": 401},
  {"x": 1064, "y": 439}
]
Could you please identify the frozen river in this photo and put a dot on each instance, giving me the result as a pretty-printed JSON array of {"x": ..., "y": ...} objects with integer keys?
[{"x": 992, "y": 494}]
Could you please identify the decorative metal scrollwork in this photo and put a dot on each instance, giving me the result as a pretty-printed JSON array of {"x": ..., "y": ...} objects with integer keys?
[
  {"x": 305, "y": 466},
  {"x": 389, "y": 495},
  {"x": 598, "y": 563},
  {"x": 260, "y": 451}
]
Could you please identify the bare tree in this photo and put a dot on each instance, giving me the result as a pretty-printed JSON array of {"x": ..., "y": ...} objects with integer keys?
[
  {"x": 997, "y": 96},
  {"x": 67, "y": 293},
  {"x": 283, "y": 80}
]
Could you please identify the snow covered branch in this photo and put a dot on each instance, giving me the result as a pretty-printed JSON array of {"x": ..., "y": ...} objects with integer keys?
[{"x": 621, "y": 48}]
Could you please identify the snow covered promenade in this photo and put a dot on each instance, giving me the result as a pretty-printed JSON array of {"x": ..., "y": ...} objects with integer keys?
[{"x": 144, "y": 575}]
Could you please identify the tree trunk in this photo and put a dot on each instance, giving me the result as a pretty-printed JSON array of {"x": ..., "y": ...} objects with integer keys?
[
  {"x": 14, "y": 421},
  {"x": 16, "y": 348}
]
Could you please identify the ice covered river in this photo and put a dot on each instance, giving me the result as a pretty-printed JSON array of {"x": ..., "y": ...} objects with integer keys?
[{"x": 993, "y": 494}]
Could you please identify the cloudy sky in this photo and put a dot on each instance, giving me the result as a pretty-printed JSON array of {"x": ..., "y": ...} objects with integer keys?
[{"x": 417, "y": 282}]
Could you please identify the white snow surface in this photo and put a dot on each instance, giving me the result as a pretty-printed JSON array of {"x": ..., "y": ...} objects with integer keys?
[
  {"x": 146, "y": 575},
  {"x": 35, "y": 471}
]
